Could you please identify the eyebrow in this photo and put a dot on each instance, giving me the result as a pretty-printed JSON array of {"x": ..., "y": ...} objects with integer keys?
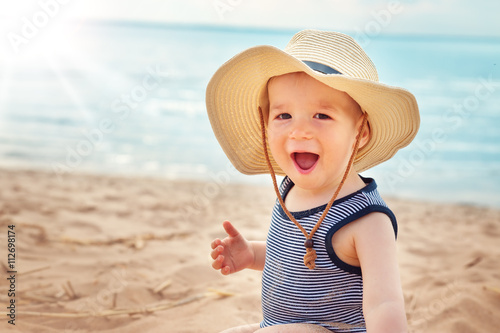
[
  {"x": 280, "y": 106},
  {"x": 322, "y": 105},
  {"x": 327, "y": 106}
]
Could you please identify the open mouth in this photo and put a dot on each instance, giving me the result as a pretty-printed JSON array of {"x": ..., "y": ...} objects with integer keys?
[{"x": 305, "y": 162}]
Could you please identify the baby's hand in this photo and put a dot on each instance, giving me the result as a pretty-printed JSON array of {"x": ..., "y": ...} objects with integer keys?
[{"x": 233, "y": 253}]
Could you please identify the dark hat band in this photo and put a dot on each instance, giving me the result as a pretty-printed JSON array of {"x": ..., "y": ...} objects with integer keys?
[{"x": 320, "y": 67}]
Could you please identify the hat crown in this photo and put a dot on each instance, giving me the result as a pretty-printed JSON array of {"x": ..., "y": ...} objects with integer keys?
[{"x": 333, "y": 49}]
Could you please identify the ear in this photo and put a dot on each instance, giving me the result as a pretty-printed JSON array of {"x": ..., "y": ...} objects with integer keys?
[{"x": 365, "y": 135}]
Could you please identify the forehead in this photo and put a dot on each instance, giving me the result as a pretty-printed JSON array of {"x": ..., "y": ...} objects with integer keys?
[{"x": 300, "y": 85}]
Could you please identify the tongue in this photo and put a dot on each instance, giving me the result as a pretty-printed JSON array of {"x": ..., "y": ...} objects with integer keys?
[{"x": 305, "y": 160}]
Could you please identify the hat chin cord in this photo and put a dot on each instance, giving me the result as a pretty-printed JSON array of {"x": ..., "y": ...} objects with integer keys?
[{"x": 310, "y": 256}]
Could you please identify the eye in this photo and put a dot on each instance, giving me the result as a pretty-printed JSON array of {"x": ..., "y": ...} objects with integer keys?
[
  {"x": 322, "y": 116},
  {"x": 284, "y": 116}
]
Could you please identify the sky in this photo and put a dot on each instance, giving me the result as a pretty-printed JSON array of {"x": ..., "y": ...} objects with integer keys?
[{"x": 420, "y": 17}]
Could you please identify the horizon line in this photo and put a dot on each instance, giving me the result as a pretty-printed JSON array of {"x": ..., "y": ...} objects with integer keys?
[{"x": 280, "y": 30}]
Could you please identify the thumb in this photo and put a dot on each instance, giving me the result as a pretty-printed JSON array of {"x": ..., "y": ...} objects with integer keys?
[{"x": 230, "y": 229}]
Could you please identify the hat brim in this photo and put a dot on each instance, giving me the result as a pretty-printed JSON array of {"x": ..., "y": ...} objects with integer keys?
[{"x": 232, "y": 99}]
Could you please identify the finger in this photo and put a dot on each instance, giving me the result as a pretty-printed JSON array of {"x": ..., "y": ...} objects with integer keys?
[
  {"x": 230, "y": 229},
  {"x": 225, "y": 270},
  {"x": 217, "y": 264},
  {"x": 216, "y": 252},
  {"x": 215, "y": 243}
]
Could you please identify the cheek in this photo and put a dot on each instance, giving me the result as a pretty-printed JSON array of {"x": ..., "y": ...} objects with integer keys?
[
  {"x": 339, "y": 144},
  {"x": 273, "y": 135},
  {"x": 272, "y": 140},
  {"x": 276, "y": 144}
]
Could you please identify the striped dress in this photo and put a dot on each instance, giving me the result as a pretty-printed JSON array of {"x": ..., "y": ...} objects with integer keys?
[{"x": 331, "y": 295}]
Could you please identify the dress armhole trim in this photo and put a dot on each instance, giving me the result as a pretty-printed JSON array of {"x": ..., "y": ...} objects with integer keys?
[{"x": 365, "y": 211}]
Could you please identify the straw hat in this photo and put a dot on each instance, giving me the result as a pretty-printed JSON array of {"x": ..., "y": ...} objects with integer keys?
[{"x": 235, "y": 91}]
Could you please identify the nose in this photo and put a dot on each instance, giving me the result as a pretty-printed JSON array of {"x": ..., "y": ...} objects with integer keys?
[{"x": 301, "y": 130}]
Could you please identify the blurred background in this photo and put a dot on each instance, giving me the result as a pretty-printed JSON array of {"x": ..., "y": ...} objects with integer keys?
[{"x": 118, "y": 87}]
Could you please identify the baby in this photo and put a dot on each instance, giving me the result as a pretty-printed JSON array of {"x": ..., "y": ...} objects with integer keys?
[{"x": 316, "y": 114}]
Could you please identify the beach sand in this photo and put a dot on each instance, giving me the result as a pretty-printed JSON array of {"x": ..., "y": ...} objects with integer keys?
[{"x": 132, "y": 254}]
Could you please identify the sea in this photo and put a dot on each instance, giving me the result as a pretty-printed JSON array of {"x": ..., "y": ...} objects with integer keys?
[{"x": 129, "y": 99}]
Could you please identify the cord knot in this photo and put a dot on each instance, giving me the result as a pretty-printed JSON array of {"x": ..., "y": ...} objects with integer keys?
[{"x": 310, "y": 258}]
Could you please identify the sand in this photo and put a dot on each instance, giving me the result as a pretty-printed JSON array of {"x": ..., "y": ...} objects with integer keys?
[{"x": 132, "y": 254}]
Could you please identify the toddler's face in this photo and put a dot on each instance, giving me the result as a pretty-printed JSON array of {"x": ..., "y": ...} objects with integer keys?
[{"x": 312, "y": 129}]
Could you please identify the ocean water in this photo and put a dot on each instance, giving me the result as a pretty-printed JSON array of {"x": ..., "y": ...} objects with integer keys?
[{"x": 128, "y": 99}]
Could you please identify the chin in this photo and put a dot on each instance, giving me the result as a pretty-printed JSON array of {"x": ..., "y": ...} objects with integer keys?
[{"x": 306, "y": 181}]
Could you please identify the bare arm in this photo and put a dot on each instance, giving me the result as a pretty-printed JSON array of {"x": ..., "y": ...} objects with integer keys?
[
  {"x": 234, "y": 253},
  {"x": 383, "y": 302}
]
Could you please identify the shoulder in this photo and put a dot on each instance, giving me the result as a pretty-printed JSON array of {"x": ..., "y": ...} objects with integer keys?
[
  {"x": 356, "y": 242},
  {"x": 373, "y": 225},
  {"x": 371, "y": 228},
  {"x": 375, "y": 243},
  {"x": 376, "y": 214}
]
